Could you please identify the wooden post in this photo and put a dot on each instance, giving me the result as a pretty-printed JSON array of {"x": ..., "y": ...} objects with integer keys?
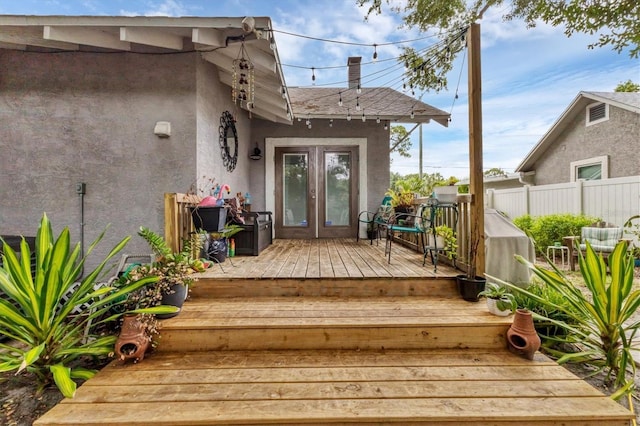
[{"x": 476, "y": 184}]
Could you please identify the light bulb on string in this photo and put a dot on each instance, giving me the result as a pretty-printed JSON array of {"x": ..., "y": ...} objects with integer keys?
[
  {"x": 284, "y": 93},
  {"x": 348, "y": 115},
  {"x": 375, "y": 52},
  {"x": 331, "y": 123},
  {"x": 412, "y": 114},
  {"x": 386, "y": 126},
  {"x": 363, "y": 117},
  {"x": 313, "y": 75},
  {"x": 340, "y": 99},
  {"x": 359, "y": 89},
  {"x": 357, "y": 104}
]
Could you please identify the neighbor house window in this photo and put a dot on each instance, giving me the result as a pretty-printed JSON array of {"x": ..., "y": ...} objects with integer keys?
[
  {"x": 590, "y": 169},
  {"x": 597, "y": 113}
]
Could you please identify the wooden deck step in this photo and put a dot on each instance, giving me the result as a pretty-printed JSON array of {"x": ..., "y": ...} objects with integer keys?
[
  {"x": 211, "y": 285},
  {"x": 283, "y": 323},
  {"x": 408, "y": 387}
]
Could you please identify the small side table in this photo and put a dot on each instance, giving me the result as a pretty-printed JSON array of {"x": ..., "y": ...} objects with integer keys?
[{"x": 564, "y": 254}]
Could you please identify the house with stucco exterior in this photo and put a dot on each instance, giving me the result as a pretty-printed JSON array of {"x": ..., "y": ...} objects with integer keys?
[
  {"x": 596, "y": 137},
  {"x": 101, "y": 116}
]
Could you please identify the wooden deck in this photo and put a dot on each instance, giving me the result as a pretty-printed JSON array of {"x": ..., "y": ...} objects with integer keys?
[
  {"x": 284, "y": 339},
  {"x": 330, "y": 258}
]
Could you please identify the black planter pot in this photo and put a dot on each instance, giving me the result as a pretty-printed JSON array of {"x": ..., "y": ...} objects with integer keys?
[
  {"x": 210, "y": 219},
  {"x": 215, "y": 250},
  {"x": 176, "y": 297},
  {"x": 469, "y": 288},
  {"x": 372, "y": 235}
]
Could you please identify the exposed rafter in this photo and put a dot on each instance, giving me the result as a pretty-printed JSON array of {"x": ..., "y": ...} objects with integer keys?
[
  {"x": 88, "y": 36},
  {"x": 151, "y": 37}
]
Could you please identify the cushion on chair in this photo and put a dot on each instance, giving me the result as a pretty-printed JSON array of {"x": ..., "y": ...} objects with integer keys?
[{"x": 601, "y": 239}]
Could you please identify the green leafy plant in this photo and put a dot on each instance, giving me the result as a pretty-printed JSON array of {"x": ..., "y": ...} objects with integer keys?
[
  {"x": 450, "y": 240},
  {"x": 600, "y": 332},
  {"x": 228, "y": 231},
  {"x": 504, "y": 299},
  {"x": 37, "y": 313},
  {"x": 548, "y": 330},
  {"x": 401, "y": 197},
  {"x": 546, "y": 230}
]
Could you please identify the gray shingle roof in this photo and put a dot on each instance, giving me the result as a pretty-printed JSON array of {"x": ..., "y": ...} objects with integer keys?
[{"x": 375, "y": 102}]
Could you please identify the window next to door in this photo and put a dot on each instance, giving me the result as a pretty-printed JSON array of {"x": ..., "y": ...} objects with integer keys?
[{"x": 590, "y": 169}]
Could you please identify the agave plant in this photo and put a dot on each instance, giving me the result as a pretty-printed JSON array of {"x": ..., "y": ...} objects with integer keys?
[
  {"x": 599, "y": 326},
  {"x": 46, "y": 337}
]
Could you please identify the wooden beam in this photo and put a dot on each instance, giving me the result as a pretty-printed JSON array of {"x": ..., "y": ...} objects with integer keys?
[
  {"x": 12, "y": 46},
  {"x": 476, "y": 185},
  {"x": 31, "y": 36},
  {"x": 151, "y": 37},
  {"x": 86, "y": 36},
  {"x": 208, "y": 37}
]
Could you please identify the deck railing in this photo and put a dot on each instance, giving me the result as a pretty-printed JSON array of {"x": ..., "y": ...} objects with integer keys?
[{"x": 178, "y": 224}]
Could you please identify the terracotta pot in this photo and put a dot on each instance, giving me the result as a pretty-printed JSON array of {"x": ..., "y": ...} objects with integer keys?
[
  {"x": 522, "y": 338},
  {"x": 133, "y": 341}
]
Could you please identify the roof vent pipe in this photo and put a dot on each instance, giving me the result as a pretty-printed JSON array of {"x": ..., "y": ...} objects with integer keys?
[{"x": 354, "y": 71}]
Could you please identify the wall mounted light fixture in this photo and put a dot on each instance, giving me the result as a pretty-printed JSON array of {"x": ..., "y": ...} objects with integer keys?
[{"x": 257, "y": 154}]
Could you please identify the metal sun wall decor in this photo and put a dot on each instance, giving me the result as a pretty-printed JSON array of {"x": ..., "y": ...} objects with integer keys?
[
  {"x": 243, "y": 83},
  {"x": 228, "y": 141}
]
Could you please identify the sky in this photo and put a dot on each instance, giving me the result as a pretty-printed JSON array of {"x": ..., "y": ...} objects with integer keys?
[{"x": 529, "y": 76}]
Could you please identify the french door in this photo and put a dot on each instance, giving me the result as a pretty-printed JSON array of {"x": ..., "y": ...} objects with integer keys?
[{"x": 316, "y": 192}]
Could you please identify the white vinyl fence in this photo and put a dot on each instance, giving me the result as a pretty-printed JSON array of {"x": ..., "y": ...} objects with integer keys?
[{"x": 612, "y": 200}]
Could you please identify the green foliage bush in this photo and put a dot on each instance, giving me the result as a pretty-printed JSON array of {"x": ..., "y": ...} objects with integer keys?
[
  {"x": 555, "y": 310},
  {"x": 545, "y": 230}
]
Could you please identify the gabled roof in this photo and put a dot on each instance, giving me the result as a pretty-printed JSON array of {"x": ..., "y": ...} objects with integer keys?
[
  {"x": 377, "y": 102},
  {"x": 217, "y": 39},
  {"x": 623, "y": 100}
]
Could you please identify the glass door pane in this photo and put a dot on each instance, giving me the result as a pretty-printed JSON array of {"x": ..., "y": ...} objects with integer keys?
[
  {"x": 295, "y": 178},
  {"x": 337, "y": 188}
]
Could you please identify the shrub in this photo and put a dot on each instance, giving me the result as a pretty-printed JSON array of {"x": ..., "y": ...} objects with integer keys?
[
  {"x": 37, "y": 315},
  {"x": 601, "y": 331},
  {"x": 553, "y": 308},
  {"x": 545, "y": 230}
]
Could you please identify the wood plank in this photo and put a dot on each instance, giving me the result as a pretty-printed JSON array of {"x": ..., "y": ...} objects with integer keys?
[
  {"x": 333, "y": 374},
  {"x": 474, "y": 410},
  {"x": 343, "y": 337},
  {"x": 119, "y": 393},
  {"x": 281, "y": 359}
]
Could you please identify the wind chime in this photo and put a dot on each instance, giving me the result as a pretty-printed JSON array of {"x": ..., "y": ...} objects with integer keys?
[{"x": 243, "y": 84}]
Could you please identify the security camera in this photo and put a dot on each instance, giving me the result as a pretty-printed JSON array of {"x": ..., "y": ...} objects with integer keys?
[{"x": 248, "y": 24}]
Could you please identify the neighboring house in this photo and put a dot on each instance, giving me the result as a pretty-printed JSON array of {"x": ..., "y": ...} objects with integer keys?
[
  {"x": 100, "y": 116},
  {"x": 509, "y": 180},
  {"x": 596, "y": 137}
]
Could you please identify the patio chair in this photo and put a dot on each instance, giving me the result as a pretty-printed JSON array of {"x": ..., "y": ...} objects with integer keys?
[
  {"x": 375, "y": 220},
  {"x": 417, "y": 224},
  {"x": 602, "y": 236}
]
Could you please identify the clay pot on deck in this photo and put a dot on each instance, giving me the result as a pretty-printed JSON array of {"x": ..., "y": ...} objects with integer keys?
[
  {"x": 133, "y": 341},
  {"x": 522, "y": 338}
]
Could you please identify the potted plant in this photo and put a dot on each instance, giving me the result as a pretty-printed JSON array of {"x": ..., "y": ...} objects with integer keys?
[
  {"x": 445, "y": 240},
  {"x": 446, "y": 191},
  {"x": 401, "y": 199},
  {"x": 470, "y": 284},
  {"x": 174, "y": 272},
  {"x": 499, "y": 301},
  {"x": 215, "y": 244}
]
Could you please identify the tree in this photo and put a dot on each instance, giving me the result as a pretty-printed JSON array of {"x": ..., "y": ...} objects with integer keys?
[
  {"x": 627, "y": 86},
  {"x": 399, "y": 141},
  {"x": 495, "y": 172},
  {"x": 616, "y": 22}
]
